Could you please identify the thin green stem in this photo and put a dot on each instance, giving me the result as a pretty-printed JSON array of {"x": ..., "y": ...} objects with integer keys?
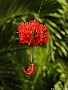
[
  {"x": 40, "y": 7},
  {"x": 31, "y": 55}
]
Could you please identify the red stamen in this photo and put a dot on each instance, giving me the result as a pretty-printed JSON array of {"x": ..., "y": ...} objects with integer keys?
[{"x": 30, "y": 71}]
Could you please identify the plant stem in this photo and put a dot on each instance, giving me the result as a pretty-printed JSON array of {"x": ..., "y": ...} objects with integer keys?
[
  {"x": 31, "y": 54},
  {"x": 40, "y": 7}
]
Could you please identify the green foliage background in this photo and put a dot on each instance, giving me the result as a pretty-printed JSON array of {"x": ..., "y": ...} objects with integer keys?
[{"x": 51, "y": 59}]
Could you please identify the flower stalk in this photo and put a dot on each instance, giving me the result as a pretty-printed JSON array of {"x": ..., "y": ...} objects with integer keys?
[{"x": 31, "y": 55}]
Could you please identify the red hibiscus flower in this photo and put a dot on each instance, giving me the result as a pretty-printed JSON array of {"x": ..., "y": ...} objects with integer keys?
[{"x": 33, "y": 33}]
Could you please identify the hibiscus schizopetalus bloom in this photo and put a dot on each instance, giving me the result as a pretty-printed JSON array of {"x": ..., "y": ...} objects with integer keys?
[{"x": 33, "y": 33}]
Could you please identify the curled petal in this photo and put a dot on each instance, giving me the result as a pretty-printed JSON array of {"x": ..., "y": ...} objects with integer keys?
[{"x": 30, "y": 71}]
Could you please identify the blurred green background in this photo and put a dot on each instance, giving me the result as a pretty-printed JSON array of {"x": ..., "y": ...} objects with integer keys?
[{"x": 51, "y": 59}]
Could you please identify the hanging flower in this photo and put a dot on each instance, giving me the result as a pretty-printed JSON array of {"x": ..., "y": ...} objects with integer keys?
[
  {"x": 30, "y": 71},
  {"x": 33, "y": 33}
]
